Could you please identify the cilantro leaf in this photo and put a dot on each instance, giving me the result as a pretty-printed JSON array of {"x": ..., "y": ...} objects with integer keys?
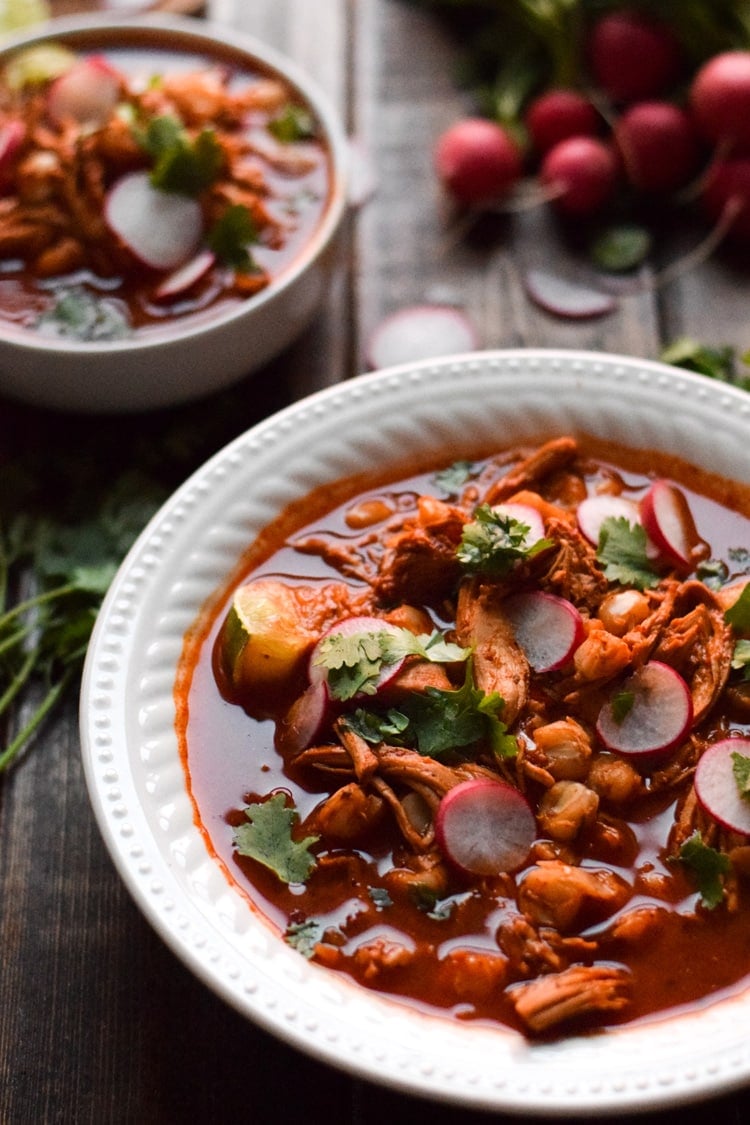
[
  {"x": 452, "y": 479},
  {"x": 304, "y": 936},
  {"x": 292, "y": 123},
  {"x": 80, "y": 315},
  {"x": 707, "y": 866},
  {"x": 182, "y": 163},
  {"x": 622, "y": 553},
  {"x": 356, "y": 661},
  {"x": 267, "y": 838},
  {"x": 741, "y": 772},
  {"x": 622, "y": 704},
  {"x": 738, "y": 614},
  {"x": 230, "y": 237},
  {"x": 493, "y": 542},
  {"x": 741, "y": 658}
]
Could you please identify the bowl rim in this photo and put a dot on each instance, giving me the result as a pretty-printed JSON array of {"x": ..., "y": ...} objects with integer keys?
[
  {"x": 199, "y": 36},
  {"x": 674, "y": 1059}
]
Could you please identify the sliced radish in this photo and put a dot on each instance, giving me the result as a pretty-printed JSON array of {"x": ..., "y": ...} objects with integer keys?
[
  {"x": 565, "y": 298},
  {"x": 305, "y": 720},
  {"x": 12, "y": 135},
  {"x": 87, "y": 93},
  {"x": 352, "y": 627},
  {"x": 549, "y": 629},
  {"x": 716, "y": 785},
  {"x": 525, "y": 514},
  {"x": 161, "y": 228},
  {"x": 182, "y": 279},
  {"x": 594, "y": 510},
  {"x": 421, "y": 332},
  {"x": 658, "y": 717},
  {"x": 485, "y": 827},
  {"x": 669, "y": 523}
]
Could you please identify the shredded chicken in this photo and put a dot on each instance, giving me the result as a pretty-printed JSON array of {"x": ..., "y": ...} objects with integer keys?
[{"x": 579, "y": 991}]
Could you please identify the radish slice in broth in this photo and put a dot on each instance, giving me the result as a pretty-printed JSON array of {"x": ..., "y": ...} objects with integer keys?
[
  {"x": 716, "y": 785},
  {"x": 650, "y": 714},
  {"x": 485, "y": 827},
  {"x": 161, "y": 228},
  {"x": 549, "y": 629}
]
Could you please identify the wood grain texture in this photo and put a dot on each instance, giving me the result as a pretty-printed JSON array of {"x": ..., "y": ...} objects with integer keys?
[{"x": 99, "y": 1022}]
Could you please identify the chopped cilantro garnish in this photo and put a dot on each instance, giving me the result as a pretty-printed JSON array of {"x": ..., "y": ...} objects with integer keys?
[
  {"x": 741, "y": 772},
  {"x": 181, "y": 163},
  {"x": 230, "y": 236},
  {"x": 622, "y": 553},
  {"x": 379, "y": 897},
  {"x": 738, "y": 614},
  {"x": 80, "y": 315},
  {"x": 267, "y": 838},
  {"x": 741, "y": 659},
  {"x": 712, "y": 573},
  {"x": 707, "y": 866},
  {"x": 452, "y": 479},
  {"x": 292, "y": 123},
  {"x": 621, "y": 705},
  {"x": 304, "y": 936},
  {"x": 493, "y": 542},
  {"x": 355, "y": 661}
]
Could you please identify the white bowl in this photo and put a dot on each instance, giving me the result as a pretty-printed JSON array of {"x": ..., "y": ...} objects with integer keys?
[
  {"x": 197, "y": 356},
  {"x": 136, "y": 778}
]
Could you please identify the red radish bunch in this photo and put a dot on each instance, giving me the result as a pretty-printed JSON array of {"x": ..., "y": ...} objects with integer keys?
[{"x": 632, "y": 56}]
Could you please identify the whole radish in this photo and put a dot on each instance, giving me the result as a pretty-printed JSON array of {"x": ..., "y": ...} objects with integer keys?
[
  {"x": 477, "y": 161},
  {"x": 632, "y": 56},
  {"x": 581, "y": 174},
  {"x": 658, "y": 145},
  {"x": 726, "y": 196},
  {"x": 720, "y": 101},
  {"x": 558, "y": 114}
]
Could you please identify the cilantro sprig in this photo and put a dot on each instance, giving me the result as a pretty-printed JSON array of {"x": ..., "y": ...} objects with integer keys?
[
  {"x": 708, "y": 868},
  {"x": 437, "y": 722},
  {"x": 181, "y": 163},
  {"x": 493, "y": 542},
  {"x": 354, "y": 662},
  {"x": 622, "y": 553}
]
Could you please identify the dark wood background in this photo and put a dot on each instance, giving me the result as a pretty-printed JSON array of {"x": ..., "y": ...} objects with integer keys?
[{"x": 99, "y": 1022}]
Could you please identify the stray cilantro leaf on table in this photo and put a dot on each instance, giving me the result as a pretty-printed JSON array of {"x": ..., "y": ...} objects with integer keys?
[{"x": 267, "y": 838}]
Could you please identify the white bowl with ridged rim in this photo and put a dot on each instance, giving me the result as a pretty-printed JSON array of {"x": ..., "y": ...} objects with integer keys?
[
  {"x": 197, "y": 355},
  {"x": 136, "y": 780}
]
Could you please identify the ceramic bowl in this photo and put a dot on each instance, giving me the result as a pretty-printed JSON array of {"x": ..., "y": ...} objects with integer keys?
[{"x": 202, "y": 353}]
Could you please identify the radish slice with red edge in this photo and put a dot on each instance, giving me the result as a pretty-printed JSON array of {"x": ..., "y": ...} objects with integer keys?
[
  {"x": 716, "y": 786},
  {"x": 421, "y": 332},
  {"x": 524, "y": 514},
  {"x": 161, "y": 228},
  {"x": 87, "y": 93},
  {"x": 566, "y": 299},
  {"x": 350, "y": 627},
  {"x": 182, "y": 280},
  {"x": 669, "y": 523},
  {"x": 594, "y": 510},
  {"x": 548, "y": 628},
  {"x": 658, "y": 712},
  {"x": 485, "y": 827},
  {"x": 305, "y": 720}
]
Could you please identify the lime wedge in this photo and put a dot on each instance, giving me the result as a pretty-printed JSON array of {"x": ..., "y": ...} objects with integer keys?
[
  {"x": 15, "y": 14},
  {"x": 263, "y": 638},
  {"x": 35, "y": 65}
]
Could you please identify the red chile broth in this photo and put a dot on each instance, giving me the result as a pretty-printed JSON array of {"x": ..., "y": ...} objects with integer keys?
[{"x": 693, "y": 957}]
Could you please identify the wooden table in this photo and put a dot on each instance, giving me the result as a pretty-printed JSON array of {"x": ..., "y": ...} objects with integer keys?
[{"x": 99, "y": 1022}]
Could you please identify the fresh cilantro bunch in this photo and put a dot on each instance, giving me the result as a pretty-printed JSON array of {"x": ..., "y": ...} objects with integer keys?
[{"x": 493, "y": 542}]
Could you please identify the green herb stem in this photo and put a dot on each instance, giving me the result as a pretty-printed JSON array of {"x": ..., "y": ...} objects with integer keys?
[{"x": 40, "y": 714}]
